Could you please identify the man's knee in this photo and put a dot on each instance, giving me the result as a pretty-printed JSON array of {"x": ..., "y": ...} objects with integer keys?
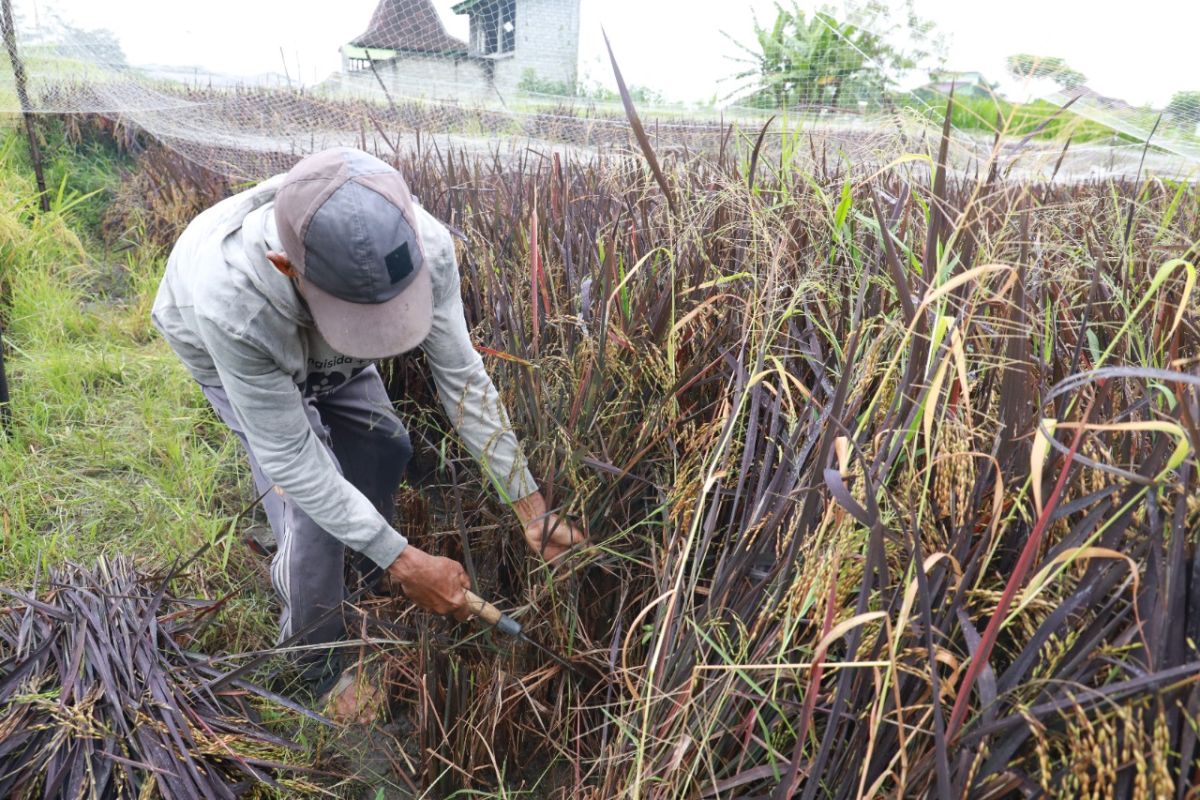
[
  {"x": 393, "y": 450},
  {"x": 389, "y": 450},
  {"x": 400, "y": 448}
]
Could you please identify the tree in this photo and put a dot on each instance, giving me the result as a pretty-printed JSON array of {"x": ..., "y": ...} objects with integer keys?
[
  {"x": 1184, "y": 108},
  {"x": 1026, "y": 65},
  {"x": 827, "y": 60},
  {"x": 55, "y": 37},
  {"x": 101, "y": 44}
]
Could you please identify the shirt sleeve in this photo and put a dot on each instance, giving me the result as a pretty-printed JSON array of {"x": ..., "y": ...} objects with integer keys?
[
  {"x": 270, "y": 409},
  {"x": 467, "y": 392}
]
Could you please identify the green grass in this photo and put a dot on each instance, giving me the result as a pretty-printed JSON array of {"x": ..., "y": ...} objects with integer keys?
[
  {"x": 113, "y": 447},
  {"x": 991, "y": 114}
]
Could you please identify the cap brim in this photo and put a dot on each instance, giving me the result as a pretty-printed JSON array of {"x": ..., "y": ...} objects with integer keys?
[{"x": 371, "y": 331}]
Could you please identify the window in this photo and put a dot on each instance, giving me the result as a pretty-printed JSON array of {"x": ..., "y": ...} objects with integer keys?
[{"x": 497, "y": 27}]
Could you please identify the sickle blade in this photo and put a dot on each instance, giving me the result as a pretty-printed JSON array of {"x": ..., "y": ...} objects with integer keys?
[{"x": 552, "y": 655}]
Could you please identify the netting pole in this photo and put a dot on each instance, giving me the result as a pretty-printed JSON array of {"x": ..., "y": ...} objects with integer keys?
[{"x": 35, "y": 152}]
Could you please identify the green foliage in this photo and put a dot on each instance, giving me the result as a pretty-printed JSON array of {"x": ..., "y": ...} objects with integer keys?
[
  {"x": 111, "y": 442},
  {"x": 1026, "y": 65},
  {"x": 992, "y": 114},
  {"x": 531, "y": 83},
  {"x": 1184, "y": 108},
  {"x": 58, "y": 38},
  {"x": 642, "y": 95},
  {"x": 824, "y": 59},
  {"x": 57, "y": 47},
  {"x": 88, "y": 170},
  {"x": 82, "y": 170}
]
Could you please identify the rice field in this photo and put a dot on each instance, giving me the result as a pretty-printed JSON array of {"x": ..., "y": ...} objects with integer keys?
[
  {"x": 890, "y": 477},
  {"x": 893, "y": 482}
]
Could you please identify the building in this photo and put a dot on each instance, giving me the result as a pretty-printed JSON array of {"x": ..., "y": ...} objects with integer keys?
[
  {"x": 406, "y": 45},
  {"x": 1086, "y": 95},
  {"x": 964, "y": 84}
]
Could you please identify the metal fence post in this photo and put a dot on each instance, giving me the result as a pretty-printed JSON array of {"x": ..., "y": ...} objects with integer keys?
[{"x": 35, "y": 151}]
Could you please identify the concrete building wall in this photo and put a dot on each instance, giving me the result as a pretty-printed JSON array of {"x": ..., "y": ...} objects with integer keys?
[
  {"x": 547, "y": 42},
  {"x": 433, "y": 77}
]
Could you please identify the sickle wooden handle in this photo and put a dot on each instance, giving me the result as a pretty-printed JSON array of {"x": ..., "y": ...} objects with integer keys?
[{"x": 483, "y": 609}]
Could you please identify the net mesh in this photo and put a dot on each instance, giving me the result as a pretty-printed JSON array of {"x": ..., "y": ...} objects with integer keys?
[{"x": 860, "y": 82}]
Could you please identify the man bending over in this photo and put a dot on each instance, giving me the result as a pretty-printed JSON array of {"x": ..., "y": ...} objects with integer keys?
[{"x": 278, "y": 300}]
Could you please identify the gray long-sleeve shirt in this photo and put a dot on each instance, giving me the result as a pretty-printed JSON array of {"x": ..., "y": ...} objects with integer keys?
[{"x": 236, "y": 322}]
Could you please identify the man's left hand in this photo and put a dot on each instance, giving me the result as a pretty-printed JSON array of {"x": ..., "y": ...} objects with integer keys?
[{"x": 546, "y": 533}]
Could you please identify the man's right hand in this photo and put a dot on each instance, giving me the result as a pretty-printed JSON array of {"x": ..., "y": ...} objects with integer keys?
[{"x": 433, "y": 583}]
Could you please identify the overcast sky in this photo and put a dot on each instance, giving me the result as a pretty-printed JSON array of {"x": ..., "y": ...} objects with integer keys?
[{"x": 1141, "y": 52}]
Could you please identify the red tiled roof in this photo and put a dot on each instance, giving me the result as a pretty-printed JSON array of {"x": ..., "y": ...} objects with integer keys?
[{"x": 409, "y": 25}]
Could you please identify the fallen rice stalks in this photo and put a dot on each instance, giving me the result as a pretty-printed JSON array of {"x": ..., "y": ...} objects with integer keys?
[{"x": 100, "y": 697}]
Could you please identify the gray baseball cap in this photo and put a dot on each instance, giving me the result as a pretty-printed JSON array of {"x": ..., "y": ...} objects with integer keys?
[{"x": 347, "y": 224}]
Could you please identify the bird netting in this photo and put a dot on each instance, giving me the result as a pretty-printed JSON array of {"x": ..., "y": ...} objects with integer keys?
[{"x": 246, "y": 93}]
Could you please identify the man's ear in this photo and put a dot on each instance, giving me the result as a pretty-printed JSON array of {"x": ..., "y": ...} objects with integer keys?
[{"x": 281, "y": 262}]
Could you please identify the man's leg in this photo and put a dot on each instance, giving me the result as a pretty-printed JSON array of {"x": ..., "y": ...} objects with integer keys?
[
  {"x": 372, "y": 447},
  {"x": 308, "y": 569},
  {"x": 369, "y": 442}
]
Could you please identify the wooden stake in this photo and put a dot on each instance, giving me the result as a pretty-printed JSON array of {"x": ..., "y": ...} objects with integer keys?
[{"x": 35, "y": 152}]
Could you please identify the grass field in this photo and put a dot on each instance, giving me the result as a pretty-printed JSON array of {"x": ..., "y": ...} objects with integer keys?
[
  {"x": 892, "y": 483},
  {"x": 112, "y": 447},
  {"x": 1040, "y": 119}
]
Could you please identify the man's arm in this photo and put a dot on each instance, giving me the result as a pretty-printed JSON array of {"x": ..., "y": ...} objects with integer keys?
[
  {"x": 271, "y": 411},
  {"x": 474, "y": 406},
  {"x": 270, "y": 408},
  {"x": 466, "y": 390}
]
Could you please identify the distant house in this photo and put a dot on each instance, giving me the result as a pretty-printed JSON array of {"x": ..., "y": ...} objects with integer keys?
[
  {"x": 407, "y": 46},
  {"x": 1088, "y": 95},
  {"x": 964, "y": 84}
]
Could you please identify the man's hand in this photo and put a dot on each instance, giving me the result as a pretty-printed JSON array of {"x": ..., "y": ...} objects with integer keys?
[
  {"x": 433, "y": 583},
  {"x": 546, "y": 533}
]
